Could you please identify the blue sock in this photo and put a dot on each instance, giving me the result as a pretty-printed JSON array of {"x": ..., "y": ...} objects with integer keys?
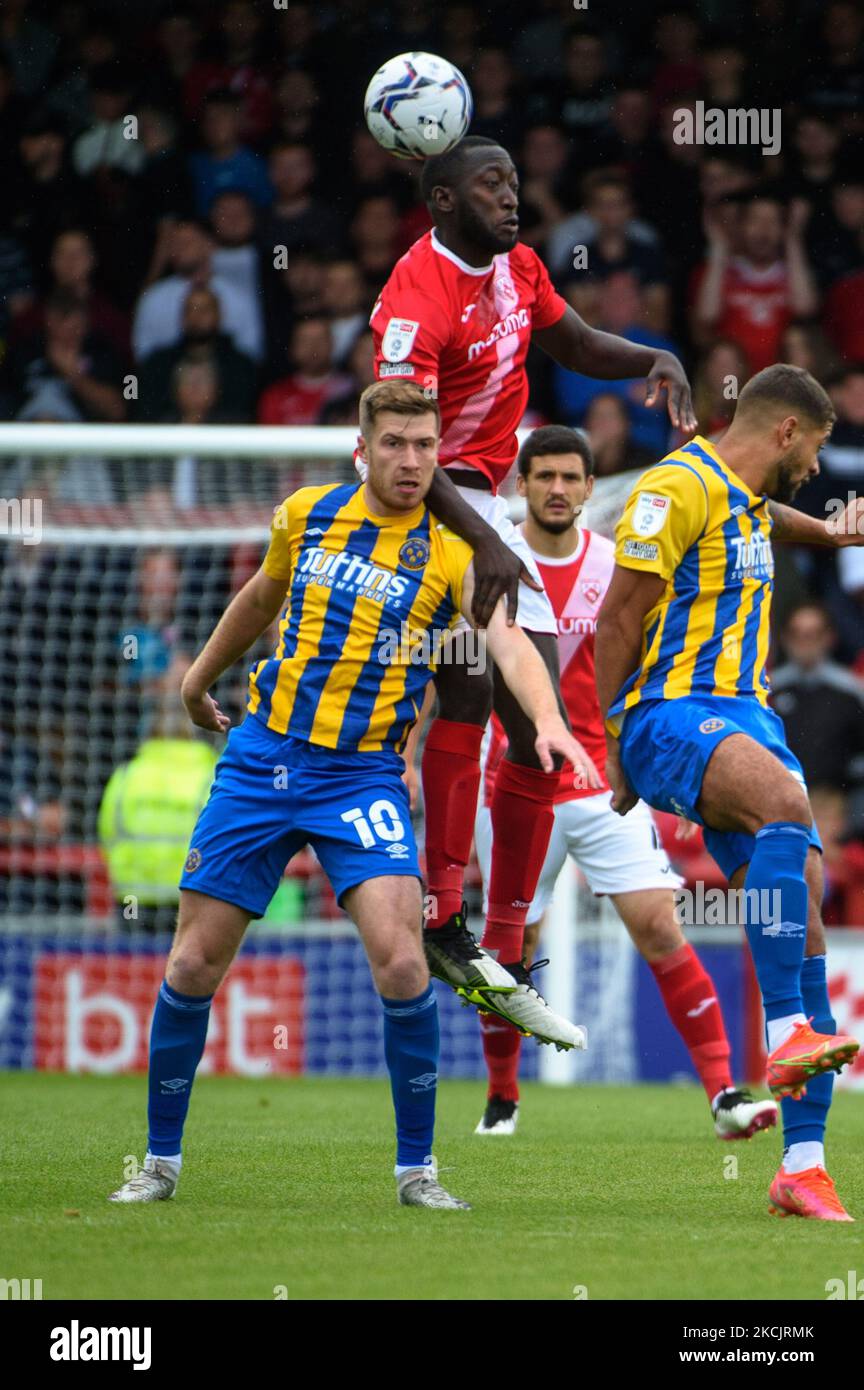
[
  {"x": 805, "y": 1119},
  {"x": 177, "y": 1040},
  {"x": 777, "y": 937},
  {"x": 411, "y": 1048}
]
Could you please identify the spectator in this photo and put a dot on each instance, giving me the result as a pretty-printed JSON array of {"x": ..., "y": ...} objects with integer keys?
[
  {"x": 842, "y": 263},
  {"x": 47, "y": 194},
  {"x": 297, "y": 220},
  {"x": 724, "y": 71},
  {"x": 835, "y": 80},
  {"x": 16, "y": 284},
  {"x": 375, "y": 233},
  {"x": 580, "y": 101},
  {"x": 607, "y": 423},
  {"x": 804, "y": 345},
  {"x": 342, "y": 410},
  {"x": 13, "y": 110},
  {"x": 164, "y": 186},
  {"x": 817, "y": 146},
  {"x": 820, "y": 702},
  {"x": 543, "y": 164},
  {"x": 177, "y": 42},
  {"x": 298, "y": 399},
  {"x": 298, "y": 103},
  {"x": 678, "y": 72},
  {"x": 839, "y": 247},
  {"x": 611, "y": 249},
  {"x": 106, "y": 144},
  {"x": 752, "y": 284},
  {"x": 71, "y": 96},
  {"x": 28, "y": 45},
  {"x": 614, "y": 304},
  {"x": 240, "y": 70},
  {"x": 492, "y": 81},
  {"x": 72, "y": 269},
  {"x": 579, "y": 229},
  {"x": 842, "y": 858},
  {"x": 347, "y": 301},
  {"x": 236, "y": 258},
  {"x": 225, "y": 163},
  {"x": 630, "y": 142},
  {"x": 721, "y": 372},
  {"x": 202, "y": 343},
  {"x": 188, "y": 254},
  {"x": 71, "y": 366}
]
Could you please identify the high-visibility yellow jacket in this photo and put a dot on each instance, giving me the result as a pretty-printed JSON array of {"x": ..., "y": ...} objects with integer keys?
[{"x": 147, "y": 815}]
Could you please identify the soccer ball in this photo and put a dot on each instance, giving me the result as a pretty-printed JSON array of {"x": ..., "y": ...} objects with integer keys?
[{"x": 418, "y": 105}]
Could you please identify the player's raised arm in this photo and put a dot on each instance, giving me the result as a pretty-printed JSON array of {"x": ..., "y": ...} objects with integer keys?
[
  {"x": 580, "y": 348},
  {"x": 247, "y": 617},
  {"x": 525, "y": 674}
]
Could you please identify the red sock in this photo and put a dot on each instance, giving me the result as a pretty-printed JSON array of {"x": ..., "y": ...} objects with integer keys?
[
  {"x": 451, "y": 780},
  {"x": 522, "y": 815},
  {"x": 691, "y": 1003},
  {"x": 501, "y": 1047}
]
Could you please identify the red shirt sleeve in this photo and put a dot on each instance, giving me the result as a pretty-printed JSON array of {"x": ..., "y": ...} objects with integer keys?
[
  {"x": 548, "y": 305},
  {"x": 410, "y": 330}
]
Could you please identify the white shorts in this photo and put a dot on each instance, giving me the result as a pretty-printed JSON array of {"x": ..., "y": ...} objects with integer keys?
[
  {"x": 617, "y": 854},
  {"x": 535, "y": 611}
]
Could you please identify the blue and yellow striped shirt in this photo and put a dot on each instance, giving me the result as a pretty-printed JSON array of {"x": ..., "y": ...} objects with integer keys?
[
  {"x": 695, "y": 523},
  {"x": 363, "y": 591}
]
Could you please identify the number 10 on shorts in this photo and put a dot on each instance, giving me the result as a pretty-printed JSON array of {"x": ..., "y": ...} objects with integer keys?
[{"x": 384, "y": 822}]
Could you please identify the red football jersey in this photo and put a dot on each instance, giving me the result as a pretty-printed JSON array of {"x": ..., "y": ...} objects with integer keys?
[
  {"x": 463, "y": 332},
  {"x": 576, "y": 588}
]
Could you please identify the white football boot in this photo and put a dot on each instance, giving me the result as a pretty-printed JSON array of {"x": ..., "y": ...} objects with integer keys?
[
  {"x": 155, "y": 1182},
  {"x": 738, "y": 1116},
  {"x": 499, "y": 1117},
  {"x": 528, "y": 1011},
  {"x": 453, "y": 956},
  {"x": 419, "y": 1187}
]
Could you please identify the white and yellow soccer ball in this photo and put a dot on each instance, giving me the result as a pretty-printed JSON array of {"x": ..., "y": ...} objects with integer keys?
[{"x": 418, "y": 105}]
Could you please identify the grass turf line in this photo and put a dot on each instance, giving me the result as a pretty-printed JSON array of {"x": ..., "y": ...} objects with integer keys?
[{"x": 288, "y": 1183}]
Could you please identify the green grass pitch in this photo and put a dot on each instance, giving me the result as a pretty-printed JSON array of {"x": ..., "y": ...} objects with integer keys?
[{"x": 287, "y": 1185}]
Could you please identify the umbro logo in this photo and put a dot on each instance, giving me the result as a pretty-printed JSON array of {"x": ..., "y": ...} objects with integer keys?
[
  {"x": 424, "y": 1082},
  {"x": 178, "y": 1083}
]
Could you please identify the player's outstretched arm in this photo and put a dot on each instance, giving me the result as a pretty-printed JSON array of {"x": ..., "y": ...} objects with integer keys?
[
  {"x": 525, "y": 674},
  {"x": 580, "y": 348},
  {"x": 248, "y": 615},
  {"x": 497, "y": 569},
  {"x": 845, "y": 527},
  {"x": 617, "y": 647}
]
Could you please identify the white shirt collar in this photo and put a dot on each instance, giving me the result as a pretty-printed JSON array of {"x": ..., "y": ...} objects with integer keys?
[
  {"x": 458, "y": 261},
  {"x": 581, "y": 532}
]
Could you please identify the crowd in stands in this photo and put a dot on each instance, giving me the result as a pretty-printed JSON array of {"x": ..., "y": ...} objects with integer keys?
[{"x": 195, "y": 224}]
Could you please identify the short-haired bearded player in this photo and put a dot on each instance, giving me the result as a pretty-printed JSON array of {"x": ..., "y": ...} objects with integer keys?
[
  {"x": 621, "y": 859},
  {"x": 457, "y": 316}
]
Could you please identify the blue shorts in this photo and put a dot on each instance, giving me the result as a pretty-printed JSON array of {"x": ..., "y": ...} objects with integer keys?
[
  {"x": 665, "y": 747},
  {"x": 273, "y": 795}
]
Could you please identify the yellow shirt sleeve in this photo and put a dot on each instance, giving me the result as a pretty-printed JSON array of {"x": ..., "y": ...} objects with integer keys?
[
  {"x": 457, "y": 557},
  {"x": 665, "y": 513},
  {"x": 278, "y": 562}
]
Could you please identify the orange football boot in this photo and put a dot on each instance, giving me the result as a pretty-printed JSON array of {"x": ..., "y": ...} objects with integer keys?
[
  {"x": 810, "y": 1193},
  {"x": 805, "y": 1054}
]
